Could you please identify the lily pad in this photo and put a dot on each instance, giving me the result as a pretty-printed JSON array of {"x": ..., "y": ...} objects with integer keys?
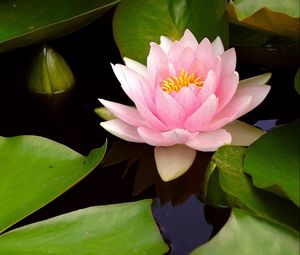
[
  {"x": 273, "y": 161},
  {"x": 278, "y": 17},
  {"x": 228, "y": 185},
  {"x": 112, "y": 229},
  {"x": 34, "y": 171},
  {"x": 170, "y": 18},
  {"x": 32, "y": 21},
  {"x": 245, "y": 234}
]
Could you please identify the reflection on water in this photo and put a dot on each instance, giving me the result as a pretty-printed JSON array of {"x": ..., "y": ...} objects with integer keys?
[
  {"x": 140, "y": 159},
  {"x": 177, "y": 209},
  {"x": 266, "y": 124},
  {"x": 181, "y": 224}
]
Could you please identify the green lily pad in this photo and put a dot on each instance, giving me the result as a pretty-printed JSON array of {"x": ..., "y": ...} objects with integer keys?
[
  {"x": 34, "y": 171},
  {"x": 245, "y": 234},
  {"x": 170, "y": 18},
  {"x": 111, "y": 229},
  {"x": 273, "y": 161},
  {"x": 228, "y": 185},
  {"x": 278, "y": 17},
  {"x": 32, "y": 21}
]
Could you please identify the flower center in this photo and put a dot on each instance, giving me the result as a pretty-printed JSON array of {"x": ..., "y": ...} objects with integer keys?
[{"x": 175, "y": 83}]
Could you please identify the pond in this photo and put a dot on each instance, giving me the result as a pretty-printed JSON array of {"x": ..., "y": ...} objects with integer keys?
[{"x": 185, "y": 222}]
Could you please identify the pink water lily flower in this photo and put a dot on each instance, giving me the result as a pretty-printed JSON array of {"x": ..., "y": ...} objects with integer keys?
[{"x": 186, "y": 98}]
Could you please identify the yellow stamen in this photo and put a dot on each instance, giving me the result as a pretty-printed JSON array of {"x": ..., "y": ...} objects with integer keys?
[{"x": 175, "y": 83}]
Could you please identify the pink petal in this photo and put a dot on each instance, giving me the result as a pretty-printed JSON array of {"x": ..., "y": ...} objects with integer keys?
[
  {"x": 169, "y": 111},
  {"x": 205, "y": 52},
  {"x": 200, "y": 68},
  {"x": 126, "y": 113},
  {"x": 217, "y": 66},
  {"x": 228, "y": 60},
  {"x": 154, "y": 59},
  {"x": 226, "y": 89},
  {"x": 218, "y": 47},
  {"x": 187, "y": 99},
  {"x": 130, "y": 82},
  {"x": 194, "y": 89},
  {"x": 154, "y": 137},
  {"x": 188, "y": 40},
  {"x": 140, "y": 88},
  {"x": 136, "y": 66},
  {"x": 148, "y": 92},
  {"x": 209, "y": 86},
  {"x": 203, "y": 115},
  {"x": 158, "y": 138},
  {"x": 164, "y": 70},
  {"x": 179, "y": 136},
  {"x": 174, "y": 54},
  {"x": 174, "y": 161},
  {"x": 150, "y": 117},
  {"x": 165, "y": 44},
  {"x": 186, "y": 59},
  {"x": 120, "y": 76},
  {"x": 122, "y": 130},
  {"x": 210, "y": 141},
  {"x": 234, "y": 109},
  {"x": 258, "y": 94}
]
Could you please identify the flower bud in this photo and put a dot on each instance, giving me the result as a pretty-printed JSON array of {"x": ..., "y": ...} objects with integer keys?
[
  {"x": 104, "y": 113},
  {"x": 49, "y": 73}
]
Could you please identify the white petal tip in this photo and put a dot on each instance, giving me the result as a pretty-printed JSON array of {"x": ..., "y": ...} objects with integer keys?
[
  {"x": 218, "y": 46},
  {"x": 256, "y": 80},
  {"x": 127, "y": 60},
  {"x": 173, "y": 161}
]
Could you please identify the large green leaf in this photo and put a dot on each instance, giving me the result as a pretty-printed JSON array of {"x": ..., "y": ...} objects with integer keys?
[
  {"x": 245, "y": 234},
  {"x": 228, "y": 185},
  {"x": 34, "y": 171},
  {"x": 137, "y": 23},
  {"x": 112, "y": 229},
  {"x": 273, "y": 161},
  {"x": 24, "y": 22},
  {"x": 279, "y": 17}
]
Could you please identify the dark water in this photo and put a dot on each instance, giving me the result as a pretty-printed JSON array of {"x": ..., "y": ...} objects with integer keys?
[{"x": 183, "y": 221}]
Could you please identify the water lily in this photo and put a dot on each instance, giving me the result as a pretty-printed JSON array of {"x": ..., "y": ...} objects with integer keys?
[{"x": 187, "y": 98}]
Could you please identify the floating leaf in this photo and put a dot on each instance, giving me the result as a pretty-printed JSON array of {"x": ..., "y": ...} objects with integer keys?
[
  {"x": 279, "y": 17},
  {"x": 239, "y": 191},
  {"x": 32, "y": 21},
  {"x": 170, "y": 18},
  {"x": 112, "y": 229},
  {"x": 273, "y": 161},
  {"x": 245, "y": 234},
  {"x": 34, "y": 171}
]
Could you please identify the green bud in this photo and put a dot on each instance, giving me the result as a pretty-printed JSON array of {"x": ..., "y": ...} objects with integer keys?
[
  {"x": 49, "y": 73},
  {"x": 104, "y": 113}
]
